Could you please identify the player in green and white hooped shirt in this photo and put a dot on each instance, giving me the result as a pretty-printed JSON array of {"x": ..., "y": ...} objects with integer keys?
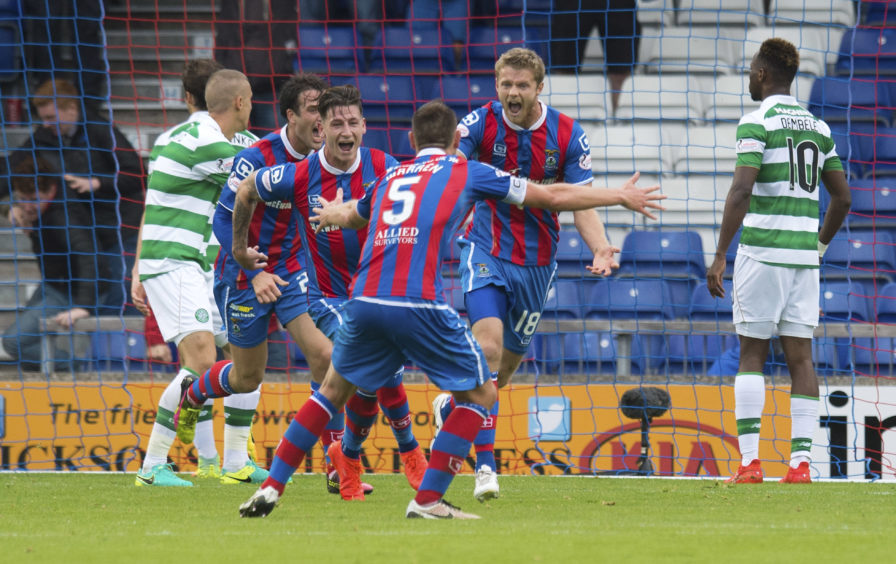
[
  {"x": 174, "y": 268},
  {"x": 193, "y": 79},
  {"x": 783, "y": 151}
]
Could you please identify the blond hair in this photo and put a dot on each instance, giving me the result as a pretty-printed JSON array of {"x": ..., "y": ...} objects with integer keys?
[{"x": 520, "y": 58}]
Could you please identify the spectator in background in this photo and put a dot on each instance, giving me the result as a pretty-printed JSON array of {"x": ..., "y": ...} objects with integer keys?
[
  {"x": 367, "y": 14},
  {"x": 61, "y": 233},
  {"x": 619, "y": 29},
  {"x": 101, "y": 169},
  {"x": 451, "y": 15},
  {"x": 259, "y": 40}
]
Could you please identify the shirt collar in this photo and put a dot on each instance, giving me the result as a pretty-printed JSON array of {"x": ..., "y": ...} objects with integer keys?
[
  {"x": 336, "y": 171},
  {"x": 775, "y": 99},
  {"x": 288, "y": 146},
  {"x": 536, "y": 125},
  {"x": 431, "y": 151}
]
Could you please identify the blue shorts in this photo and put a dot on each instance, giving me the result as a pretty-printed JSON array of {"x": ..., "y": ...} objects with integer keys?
[
  {"x": 247, "y": 321},
  {"x": 327, "y": 314},
  {"x": 526, "y": 289},
  {"x": 379, "y": 335}
]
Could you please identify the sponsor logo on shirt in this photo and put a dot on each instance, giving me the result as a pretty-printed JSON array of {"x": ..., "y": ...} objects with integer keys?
[
  {"x": 748, "y": 146},
  {"x": 396, "y": 236},
  {"x": 500, "y": 149},
  {"x": 585, "y": 161},
  {"x": 550, "y": 162}
]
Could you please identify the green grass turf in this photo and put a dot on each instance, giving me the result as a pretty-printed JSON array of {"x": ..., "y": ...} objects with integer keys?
[{"x": 104, "y": 518}]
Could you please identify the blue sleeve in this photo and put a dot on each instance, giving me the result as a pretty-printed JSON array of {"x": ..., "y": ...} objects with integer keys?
[
  {"x": 489, "y": 183},
  {"x": 577, "y": 166},
  {"x": 222, "y": 225},
  {"x": 276, "y": 183},
  {"x": 391, "y": 161},
  {"x": 471, "y": 130},
  {"x": 245, "y": 162},
  {"x": 363, "y": 207}
]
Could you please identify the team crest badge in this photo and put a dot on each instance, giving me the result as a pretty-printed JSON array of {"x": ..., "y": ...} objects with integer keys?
[
  {"x": 201, "y": 315},
  {"x": 483, "y": 270}
]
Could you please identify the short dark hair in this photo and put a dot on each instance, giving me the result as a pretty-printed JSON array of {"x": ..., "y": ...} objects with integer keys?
[
  {"x": 433, "y": 125},
  {"x": 337, "y": 97},
  {"x": 36, "y": 172},
  {"x": 780, "y": 58},
  {"x": 291, "y": 92},
  {"x": 195, "y": 77}
]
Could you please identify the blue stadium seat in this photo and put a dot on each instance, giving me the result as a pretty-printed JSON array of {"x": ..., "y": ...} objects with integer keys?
[
  {"x": 867, "y": 51},
  {"x": 630, "y": 298},
  {"x": 589, "y": 353},
  {"x": 328, "y": 49},
  {"x": 401, "y": 145},
  {"x": 377, "y": 138},
  {"x": 675, "y": 256},
  {"x": 855, "y": 146},
  {"x": 880, "y": 13},
  {"x": 10, "y": 42},
  {"x": 573, "y": 255},
  {"x": 696, "y": 353},
  {"x": 487, "y": 43},
  {"x": 567, "y": 298},
  {"x": 862, "y": 255},
  {"x": 830, "y": 356},
  {"x": 840, "y": 99},
  {"x": 845, "y": 301},
  {"x": 387, "y": 98},
  {"x": 116, "y": 350},
  {"x": 464, "y": 94},
  {"x": 705, "y": 307},
  {"x": 422, "y": 49},
  {"x": 884, "y": 154},
  {"x": 670, "y": 254},
  {"x": 874, "y": 356},
  {"x": 873, "y": 203},
  {"x": 886, "y": 304}
]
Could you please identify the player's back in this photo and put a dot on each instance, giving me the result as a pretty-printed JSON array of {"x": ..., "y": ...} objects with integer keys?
[
  {"x": 414, "y": 212},
  {"x": 791, "y": 148},
  {"x": 181, "y": 195}
]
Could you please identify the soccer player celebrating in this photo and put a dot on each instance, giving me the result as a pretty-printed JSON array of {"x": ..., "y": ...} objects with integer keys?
[
  {"x": 782, "y": 153},
  {"x": 507, "y": 253},
  {"x": 397, "y": 311},
  {"x": 174, "y": 270},
  {"x": 332, "y": 259},
  {"x": 248, "y": 299}
]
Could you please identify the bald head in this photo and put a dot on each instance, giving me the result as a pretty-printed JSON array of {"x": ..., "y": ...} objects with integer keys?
[{"x": 223, "y": 87}]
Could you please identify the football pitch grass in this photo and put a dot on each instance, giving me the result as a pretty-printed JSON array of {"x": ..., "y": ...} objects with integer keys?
[{"x": 94, "y": 517}]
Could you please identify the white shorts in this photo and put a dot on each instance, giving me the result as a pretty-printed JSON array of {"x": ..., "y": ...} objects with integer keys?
[
  {"x": 769, "y": 300},
  {"x": 183, "y": 302}
]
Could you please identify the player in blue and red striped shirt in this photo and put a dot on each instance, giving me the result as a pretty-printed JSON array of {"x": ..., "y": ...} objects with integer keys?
[
  {"x": 248, "y": 300},
  {"x": 507, "y": 252},
  {"x": 331, "y": 261},
  {"x": 398, "y": 311}
]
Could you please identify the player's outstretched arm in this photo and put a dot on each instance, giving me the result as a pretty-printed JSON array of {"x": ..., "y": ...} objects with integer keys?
[
  {"x": 573, "y": 197},
  {"x": 337, "y": 213},
  {"x": 246, "y": 199}
]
